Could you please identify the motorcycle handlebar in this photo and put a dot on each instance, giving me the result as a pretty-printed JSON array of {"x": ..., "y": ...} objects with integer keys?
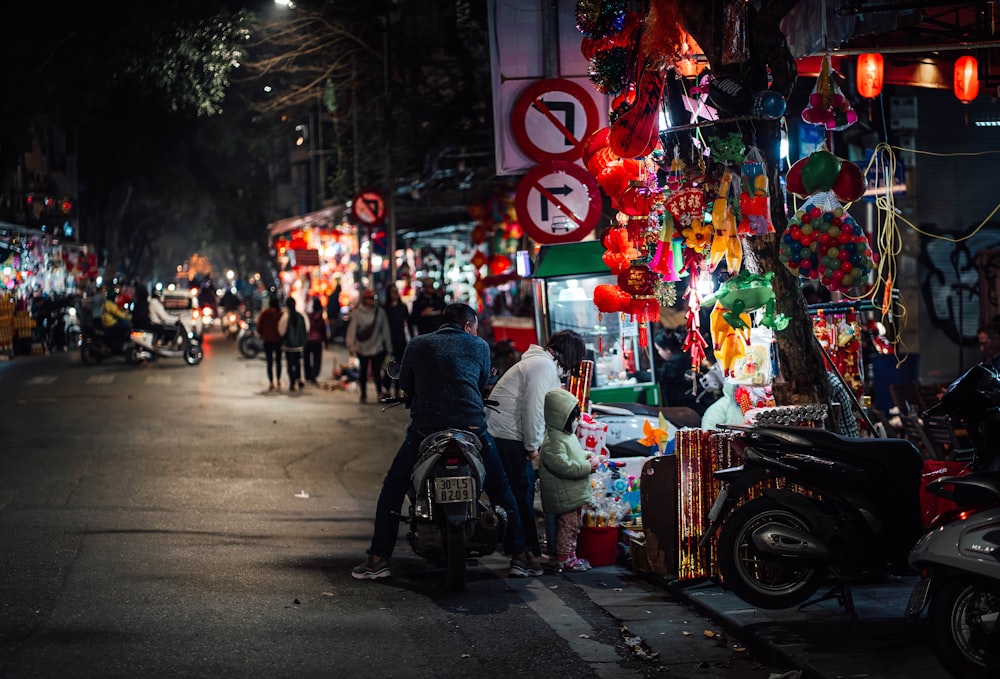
[{"x": 932, "y": 411}]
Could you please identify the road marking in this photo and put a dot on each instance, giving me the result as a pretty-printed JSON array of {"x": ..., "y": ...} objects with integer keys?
[
  {"x": 564, "y": 621},
  {"x": 158, "y": 379},
  {"x": 100, "y": 379},
  {"x": 42, "y": 379}
]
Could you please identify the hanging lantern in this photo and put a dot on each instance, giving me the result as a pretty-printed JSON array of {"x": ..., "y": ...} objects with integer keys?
[
  {"x": 870, "y": 76},
  {"x": 966, "y": 79}
]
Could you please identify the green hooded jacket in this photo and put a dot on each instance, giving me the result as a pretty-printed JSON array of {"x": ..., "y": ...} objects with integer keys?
[{"x": 563, "y": 467}]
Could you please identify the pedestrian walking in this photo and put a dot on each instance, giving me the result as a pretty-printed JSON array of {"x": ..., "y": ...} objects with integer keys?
[
  {"x": 267, "y": 326},
  {"x": 312, "y": 355},
  {"x": 368, "y": 339},
  {"x": 398, "y": 317},
  {"x": 294, "y": 328},
  {"x": 564, "y": 475}
]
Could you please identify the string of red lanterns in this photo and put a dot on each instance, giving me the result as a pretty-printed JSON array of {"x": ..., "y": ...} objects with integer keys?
[{"x": 870, "y": 76}]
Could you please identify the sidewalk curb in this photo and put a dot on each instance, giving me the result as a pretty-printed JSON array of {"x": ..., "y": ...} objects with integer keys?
[{"x": 768, "y": 640}]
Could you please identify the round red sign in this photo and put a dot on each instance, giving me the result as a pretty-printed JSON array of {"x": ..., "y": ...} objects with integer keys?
[
  {"x": 552, "y": 119},
  {"x": 558, "y": 202}
]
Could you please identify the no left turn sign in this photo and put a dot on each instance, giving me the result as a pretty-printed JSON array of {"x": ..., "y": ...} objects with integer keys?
[
  {"x": 368, "y": 207},
  {"x": 558, "y": 202},
  {"x": 552, "y": 119}
]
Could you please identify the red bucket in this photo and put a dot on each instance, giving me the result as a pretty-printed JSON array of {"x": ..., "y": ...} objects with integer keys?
[{"x": 599, "y": 546}]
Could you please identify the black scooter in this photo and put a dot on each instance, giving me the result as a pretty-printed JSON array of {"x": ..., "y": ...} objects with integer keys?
[
  {"x": 449, "y": 525},
  {"x": 846, "y": 508}
]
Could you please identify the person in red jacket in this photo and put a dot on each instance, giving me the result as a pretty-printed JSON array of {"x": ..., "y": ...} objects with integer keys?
[{"x": 267, "y": 326}]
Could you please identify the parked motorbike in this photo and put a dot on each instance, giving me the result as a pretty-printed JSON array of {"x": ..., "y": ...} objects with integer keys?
[
  {"x": 249, "y": 341},
  {"x": 144, "y": 347},
  {"x": 96, "y": 346},
  {"x": 959, "y": 562},
  {"x": 58, "y": 328},
  {"x": 449, "y": 523},
  {"x": 849, "y": 507}
]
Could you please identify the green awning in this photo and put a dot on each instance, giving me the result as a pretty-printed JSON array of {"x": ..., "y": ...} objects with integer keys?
[{"x": 570, "y": 259}]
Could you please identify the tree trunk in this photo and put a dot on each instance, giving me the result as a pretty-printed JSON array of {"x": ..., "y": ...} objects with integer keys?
[{"x": 799, "y": 354}]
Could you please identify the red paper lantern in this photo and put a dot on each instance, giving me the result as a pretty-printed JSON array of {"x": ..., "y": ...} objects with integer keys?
[
  {"x": 870, "y": 75},
  {"x": 966, "y": 83},
  {"x": 610, "y": 299},
  {"x": 636, "y": 200}
]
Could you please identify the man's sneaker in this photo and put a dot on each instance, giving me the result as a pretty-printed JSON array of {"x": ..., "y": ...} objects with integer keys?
[
  {"x": 524, "y": 568},
  {"x": 371, "y": 570}
]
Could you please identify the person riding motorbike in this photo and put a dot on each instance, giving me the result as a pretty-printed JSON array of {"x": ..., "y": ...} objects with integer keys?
[
  {"x": 443, "y": 375},
  {"x": 117, "y": 322},
  {"x": 160, "y": 319}
]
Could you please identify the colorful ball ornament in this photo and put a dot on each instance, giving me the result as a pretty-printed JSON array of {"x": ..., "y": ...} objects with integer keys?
[{"x": 846, "y": 259}]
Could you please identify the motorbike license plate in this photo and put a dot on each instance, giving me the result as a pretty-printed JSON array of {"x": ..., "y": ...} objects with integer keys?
[
  {"x": 453, "y": 489},
  {"x": 918, "y": 598},
  {"x": 713, "y": 513}
]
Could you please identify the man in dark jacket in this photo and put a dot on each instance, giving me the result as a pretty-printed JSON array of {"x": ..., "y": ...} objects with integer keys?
[
  {"x": 425, "y": 316},
  {"x": 443, "y": 375}
]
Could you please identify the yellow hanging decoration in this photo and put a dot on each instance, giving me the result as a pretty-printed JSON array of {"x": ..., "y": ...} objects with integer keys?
[
  {"x": 726, "y": 241},
  {"x": 729, "y": 343}
]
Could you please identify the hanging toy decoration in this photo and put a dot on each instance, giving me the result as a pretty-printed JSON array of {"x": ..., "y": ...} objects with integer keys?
[
  {"x": 824, "y": 242},
  {"x": 619, "y": 251},
  {"x": 755, "y": 198},
  {"x": 687, "y": 207},
  {"x": 748, "y": 292},
  {"x": 726, "y": 241},
  {"x": 663, "y": 257},
  {"x": 827, "y": 106}
]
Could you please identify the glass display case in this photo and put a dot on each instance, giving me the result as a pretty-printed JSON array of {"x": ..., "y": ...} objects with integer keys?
[{"x": 565, "y": 277}]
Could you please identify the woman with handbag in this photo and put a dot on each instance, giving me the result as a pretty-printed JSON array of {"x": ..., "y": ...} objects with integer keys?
[{"x": 368, "y": 338}]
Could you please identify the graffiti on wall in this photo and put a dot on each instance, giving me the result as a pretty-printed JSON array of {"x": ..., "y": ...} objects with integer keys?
[{"x": 951, "y": 285}]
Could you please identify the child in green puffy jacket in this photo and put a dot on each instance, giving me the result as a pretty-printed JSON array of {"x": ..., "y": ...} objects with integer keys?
[{"x": 564, "y": 476}]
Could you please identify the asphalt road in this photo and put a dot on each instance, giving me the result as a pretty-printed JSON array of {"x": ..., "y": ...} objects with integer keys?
[{"x": 177, "y": 521}]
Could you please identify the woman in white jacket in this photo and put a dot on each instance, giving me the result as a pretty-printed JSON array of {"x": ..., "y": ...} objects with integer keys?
[
  {"x": 368, "y": 338},
  {"x": 518, "y": 422}
]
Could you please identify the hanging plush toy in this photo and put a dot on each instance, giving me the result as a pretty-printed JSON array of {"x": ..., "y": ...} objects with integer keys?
[{"x": 748, "y": 292}]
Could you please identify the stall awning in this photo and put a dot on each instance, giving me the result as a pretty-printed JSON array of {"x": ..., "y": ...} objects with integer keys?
[
  {"x": 568, "y": 259},
  {"x": 325, "y": 218}
]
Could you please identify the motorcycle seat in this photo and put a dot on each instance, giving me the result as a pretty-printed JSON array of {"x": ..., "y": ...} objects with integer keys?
[{"x": 897, "y": 454}]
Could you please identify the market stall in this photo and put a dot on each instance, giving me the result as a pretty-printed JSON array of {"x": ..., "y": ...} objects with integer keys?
[{"x": 565, "y": 279}]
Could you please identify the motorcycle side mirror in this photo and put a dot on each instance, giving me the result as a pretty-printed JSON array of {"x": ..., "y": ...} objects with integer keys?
[{"x": 393, "y": 370}]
